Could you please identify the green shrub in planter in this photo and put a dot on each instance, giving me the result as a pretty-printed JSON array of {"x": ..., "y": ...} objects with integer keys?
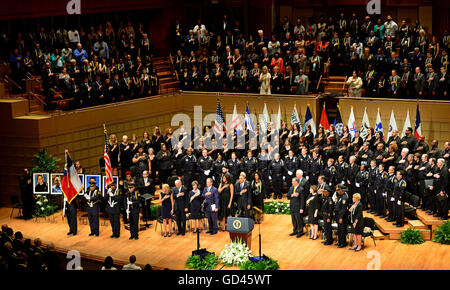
[
  {"x": 269, "y": 264},
  {"x": 412, "y": 237},
  {"x": 276, "y": 207},
  {"x": 196, "y": 262},
  {"x": 442, "y": 234}
]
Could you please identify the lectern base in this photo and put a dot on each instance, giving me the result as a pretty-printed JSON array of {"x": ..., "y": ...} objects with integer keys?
[{"x": 245, "y": 238}]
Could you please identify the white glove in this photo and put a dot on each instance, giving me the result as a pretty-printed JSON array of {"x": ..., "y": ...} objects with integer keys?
[
  {"x": 88, "y": 197},
  {"x": 129, "y": 202},
  {"x": 270, "y": 177},
  {"x": 343, "y": 182},
  {"x": 375, "y": 191},
  {"x": 207, "y": 172},
  {"x": 290, "y": 172},
  {"x": 392, "y": 199},
  {"x": 284, "y": 177},
  {"x": 307, "y": 177},
  {"x": 357, "y": 184},
  {"x": 399, "y": 202}
]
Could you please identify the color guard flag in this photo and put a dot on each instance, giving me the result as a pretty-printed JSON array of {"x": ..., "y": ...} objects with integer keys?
[
  {"x": 338, "y": 122},
  {"x": 309, "y": 121},
  {"x": 295, "y": 119},
  {"x": 277, "y": 121},
  {"x": 406, "y": 125},
  {"x": 324, "y": 120},
  {"x": 418, "y": 126},
  {"x": 392, "y": 124},
  {"x": 71, "y": 183},
  {"x": 378, "y": 124},
  {"x": 108, "y": 169},
  {"x": 236, "y": 123},
  {"x": 248, "y": 120},
  {"x": 365, "y": 125},
  {"x": 352, "y": 123},
  {"x": 264, "y": 119},
  {"x": 219, "y": 122}
]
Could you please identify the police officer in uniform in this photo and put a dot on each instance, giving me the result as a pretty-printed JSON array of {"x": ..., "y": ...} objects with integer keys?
[
  {"x": 373, "y": 171},
  {"x": 380, "y": 191},
  {"x": 327, "y": 210},
  {"x": 71, "y": 213},
  {"x": 93, "y": 197},
  {"x": 249, "y": 165},
  {"x": 205, "y": 166},
  {"x": 315, "y": 167},
  {"x": 188, "y": 165},
  {"x": 341, "y": 171},
  {"x": 276, "y": 171},
  {"x": 234, "y": 167},
  {"x": 263, "y": 165},
  {"x": 113, "y": 208},
  {"x": 133, "y": 209},
  {"x": 291, "y": 166},
  {"x": 390, "y": 200},
  {"x": 303, "y": 162},
  {"x": 361, "y": 182},
  {"x": 352, "y": 172},
  {"x": 330, "y": 173},
  {"x": 340, "y": 214},
  {"x": 399, "y": 192}
]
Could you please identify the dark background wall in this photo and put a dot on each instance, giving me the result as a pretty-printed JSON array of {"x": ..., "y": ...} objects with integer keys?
[{"x": 158, "y": 15}]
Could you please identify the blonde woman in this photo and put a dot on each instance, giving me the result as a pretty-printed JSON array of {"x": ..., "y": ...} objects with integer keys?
[
  {"x": 354, "y": 84},
  {"x": 113, "y": 150},
  {"x": 357, "y": 222},
  {"x": 264, "y": 79},
  {"x": 166, "y": 200}
]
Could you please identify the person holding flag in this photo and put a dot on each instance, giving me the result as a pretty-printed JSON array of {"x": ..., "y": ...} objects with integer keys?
[{"x": 71, "y": 186}]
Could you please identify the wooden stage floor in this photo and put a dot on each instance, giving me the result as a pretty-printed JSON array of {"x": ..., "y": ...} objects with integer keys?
[{"x": 291, "y": 252}]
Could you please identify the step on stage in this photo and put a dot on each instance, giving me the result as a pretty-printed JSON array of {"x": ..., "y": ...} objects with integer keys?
[{"x": 291, "y": 252}]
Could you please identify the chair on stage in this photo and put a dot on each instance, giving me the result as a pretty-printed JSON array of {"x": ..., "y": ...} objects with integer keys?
[
  {"x": 15, "y": 204},
  {"x": 159, "y": 220},
  {"x": 369, "y": 228}
]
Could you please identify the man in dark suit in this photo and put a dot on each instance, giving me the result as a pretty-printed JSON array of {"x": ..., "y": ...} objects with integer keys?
[
  {"x": 145, "y": 185},
  {"x": 180, "y": 196},
  {"x": 297, "y": 196},
  {"x": 244, "y": 196},
  {"x": 211, "y": 205}
]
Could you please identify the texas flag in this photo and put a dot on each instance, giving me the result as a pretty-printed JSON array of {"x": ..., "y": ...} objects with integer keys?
[
  {"x": 418, "y": 126},
  {"x": 71, "y": 183}
]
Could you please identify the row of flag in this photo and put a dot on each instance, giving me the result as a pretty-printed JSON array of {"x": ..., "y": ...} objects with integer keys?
[{"x": 264, "y": 120}]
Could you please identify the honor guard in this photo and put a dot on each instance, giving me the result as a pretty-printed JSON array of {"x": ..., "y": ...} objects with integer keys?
[
  {"x": 390, "y": 200},
  {"x": 249, "y": 165},
  {"x": 380, "y": 191},
  {"x": 263, "y": 165},
  {"x": 133, "y": 208},
  {"x": 399, "y": 193},
  {"x": 341, "y": 171},
  {"x": 330, "y": 173},
  {"x": 327, "y": 210},
  {"x": 205, "y": 166},
  {"x": 276, "y": 173},
  {"x": 114, "y": 196},
  {"x": 93, "y": 197},
  {"x": 291, "y": 166},
  {"x": 373, "y": 171},
  {"x": 315, "y": 167},
  {"x": 340, "y": 214},
  {"x": 71, "y": 213},
  {"x": 361, "y": 182},
  {"x": 188, "y": 165}
]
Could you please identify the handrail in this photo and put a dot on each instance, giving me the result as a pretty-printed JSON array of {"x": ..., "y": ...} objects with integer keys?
[
  {"x": 10, "y": 80},
  {"x": 38, "y": 98},
  {"x": 172, "y": 67},
  {"x": 318, "y": 83},
  {"x": 343, "y": 85}
]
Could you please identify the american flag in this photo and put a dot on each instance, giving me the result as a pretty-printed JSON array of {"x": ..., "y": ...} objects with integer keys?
[
  {"x": 219, "y": 122},
  {"x": 108, "y": 170}
]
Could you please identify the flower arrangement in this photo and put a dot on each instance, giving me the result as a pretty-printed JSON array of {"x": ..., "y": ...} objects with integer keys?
[
  {"x": 411, "y": 237},
  {"x": 235, "y": 253},
  {"x": 196, "y": 262},
  {"x": 277, "y": 207},
  {"x": 267, "y": 264},
  {"x": 44, "y": 206},
  {"x": 442, "y": 234}
]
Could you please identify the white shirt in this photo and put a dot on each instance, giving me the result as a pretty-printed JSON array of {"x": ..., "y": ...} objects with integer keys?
[{"x": 131, "y": 266}]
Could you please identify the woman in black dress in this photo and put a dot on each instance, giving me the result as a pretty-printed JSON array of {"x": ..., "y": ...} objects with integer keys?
[
  {"x": 125, "y": 156},
  {"x": 166, "y": 199},
  {"x": 140, "y": 162},
  {"x": 357, "y": 222},
  {"x": 226, "y": 193},
  {"x": 146, "y": 142},
  {"x": 153, "y": 165},
  {"x": 308, "y": 134},
  {"x": 113, "y": 150},
  {"x": 195, "y": 206},
  {"x": 164, "y": 163},
  {"x": 258, "y": 193},
  {"x": 313, "y": 203}
]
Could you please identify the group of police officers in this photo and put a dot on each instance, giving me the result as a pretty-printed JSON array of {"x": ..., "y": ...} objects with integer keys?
[{"x": 385, "y": 174}]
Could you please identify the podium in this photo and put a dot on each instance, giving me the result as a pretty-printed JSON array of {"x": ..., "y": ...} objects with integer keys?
[{"x": 240, "y": 229}]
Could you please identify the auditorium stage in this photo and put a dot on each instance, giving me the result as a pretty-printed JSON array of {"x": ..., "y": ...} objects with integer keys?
[{"x": 291, "y": 252}]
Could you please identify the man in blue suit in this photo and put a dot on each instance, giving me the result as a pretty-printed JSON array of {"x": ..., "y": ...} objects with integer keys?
[{"x": 211, "y": 205}]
